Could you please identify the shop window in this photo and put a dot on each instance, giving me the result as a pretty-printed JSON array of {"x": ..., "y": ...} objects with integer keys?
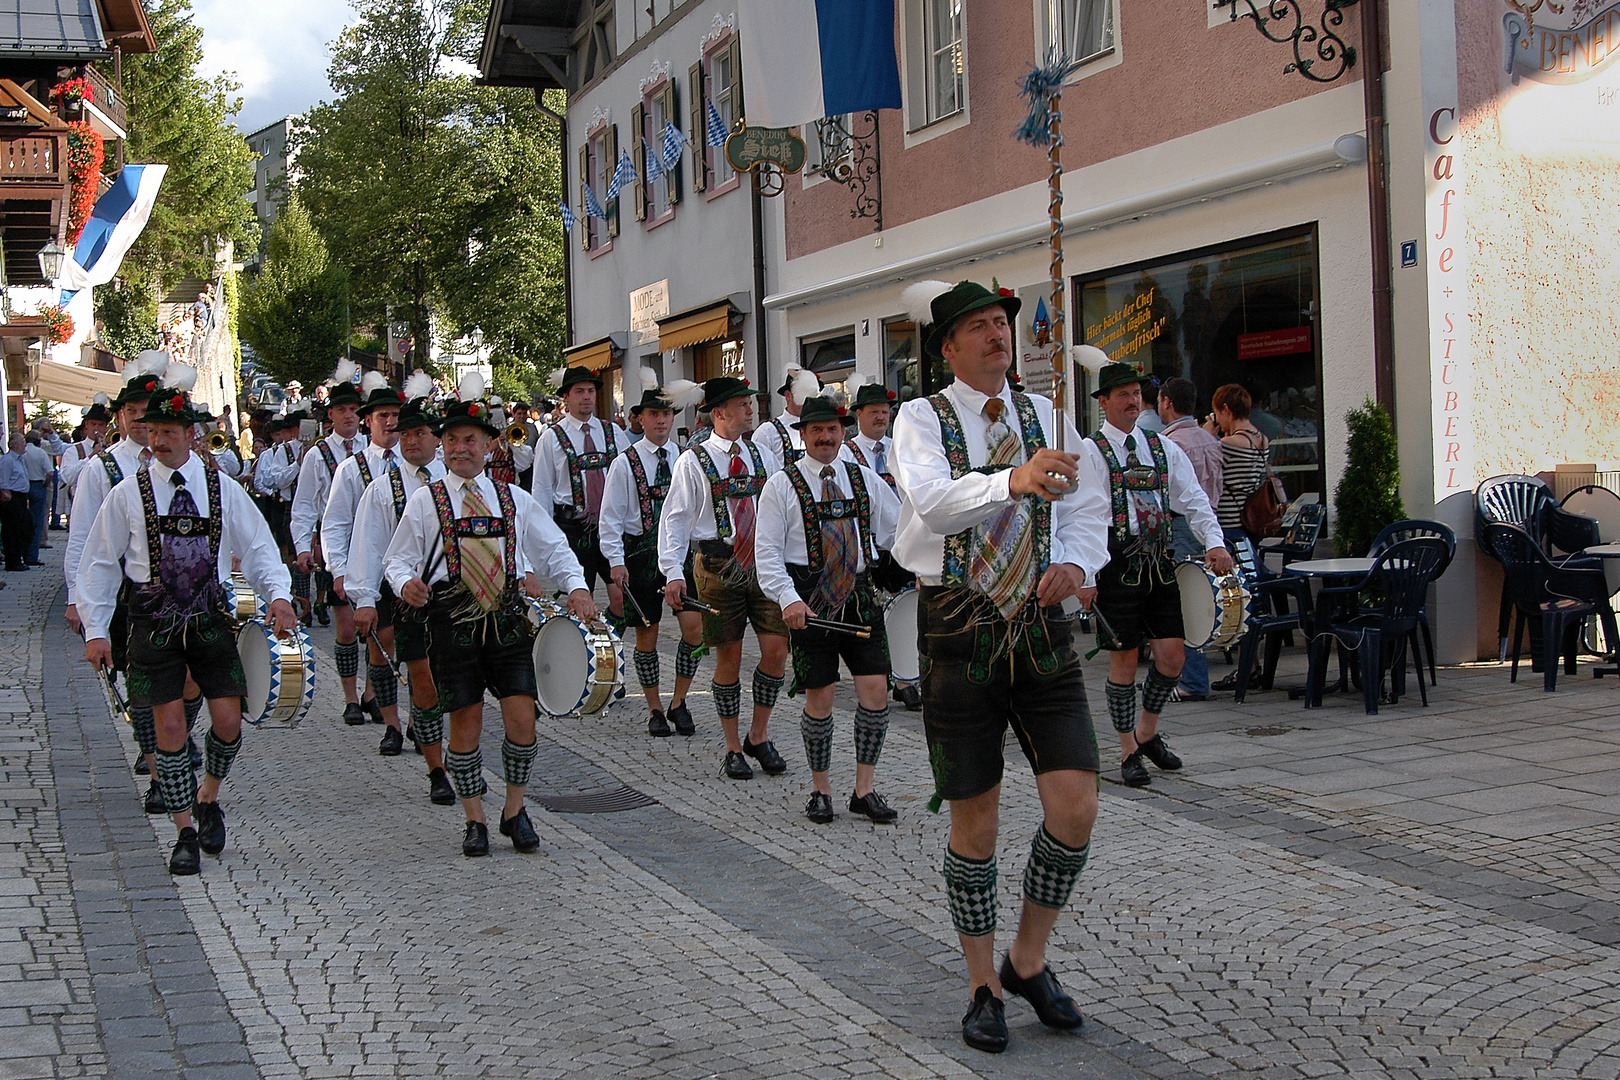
[
  {"x": 596, "y": 163},
  {"x": 716, "y": 358},
  {"x": 902, "y": 349},
  {"x": 715, "y": 87},
  {"x": 656, "y": 195},
  {"x": 1080, "y": 29},
  {"x": 935, "y": 68},
  {"x": 1239, "y": 313},
  {"x": 831, "y": 356}
]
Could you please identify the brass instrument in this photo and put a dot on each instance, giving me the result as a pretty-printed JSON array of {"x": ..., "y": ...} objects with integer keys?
[
  {"x": 517, "y": 434},
  {"x": 218, "y": 442}
]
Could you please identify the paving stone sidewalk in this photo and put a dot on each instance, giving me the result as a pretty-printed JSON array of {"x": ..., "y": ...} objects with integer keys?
[{"x": 1424, "y": 893}]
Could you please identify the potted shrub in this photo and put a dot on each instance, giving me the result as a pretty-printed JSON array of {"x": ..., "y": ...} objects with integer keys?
[{"x": 1369, "y": 493}]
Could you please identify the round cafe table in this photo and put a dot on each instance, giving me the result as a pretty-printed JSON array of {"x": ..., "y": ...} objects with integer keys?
[
  {"x": 1329, "y": 568},
  {"x": 1605, "y": 551}
]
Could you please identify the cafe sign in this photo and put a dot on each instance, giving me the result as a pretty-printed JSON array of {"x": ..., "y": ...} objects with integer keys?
[
  {"x": 1560, "y": 55},
  {"x": 752, "y": 147}
]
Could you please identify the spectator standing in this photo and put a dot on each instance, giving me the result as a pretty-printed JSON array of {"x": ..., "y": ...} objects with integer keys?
[
  {"x": 40, "y": 468},
  {"x": 1178, "y": 401},
  {"x": 1245, "y": 452},
  {"x": 14, "y": 523}
]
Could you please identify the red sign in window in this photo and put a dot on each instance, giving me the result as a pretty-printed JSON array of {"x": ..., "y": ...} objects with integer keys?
[{"x": 1274, "y": 343}]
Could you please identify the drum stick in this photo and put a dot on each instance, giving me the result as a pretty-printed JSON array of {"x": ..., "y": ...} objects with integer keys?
[
  {"x": 371, "y": 636},
  {"x": 688, "y": 604},
  {"x": 114, "y": 696},
  {"x": 642, "y": 615},
  {"x": 813, "y": 623}
]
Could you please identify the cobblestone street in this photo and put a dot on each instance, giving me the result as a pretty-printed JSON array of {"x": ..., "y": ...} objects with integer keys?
[{"x": 1424, "y": 893}]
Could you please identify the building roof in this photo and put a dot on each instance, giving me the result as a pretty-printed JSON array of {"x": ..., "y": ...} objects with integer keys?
[
  {"x": 67, "y": 30},
  {"x": 526, "y": 43}
]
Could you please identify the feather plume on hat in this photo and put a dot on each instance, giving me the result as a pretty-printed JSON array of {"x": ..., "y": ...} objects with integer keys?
[
  {"x": 556, "y": 377},
  {"x": 180, "y": 377},
  {"x": 918, "y": 300},
  {"x": 344, "y": 372},
  {"x": 419, "y": 385},
  {"x": 372, "y": 380},
  {"x": 1091, "y": 358},
  {"x": 802, "y": 384},
  {"x": 683, "y": 393},
  {"x": 649, "y": 378},
  {"x": 149, "y": 362},
  {"x": 471, "y": 386},
  {"x": 100, "y": 399}
]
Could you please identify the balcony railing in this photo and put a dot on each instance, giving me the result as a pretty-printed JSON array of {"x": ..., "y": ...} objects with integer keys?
[
  {"x": 107, "y": 97},
  {"x": 32, "y": 160}
]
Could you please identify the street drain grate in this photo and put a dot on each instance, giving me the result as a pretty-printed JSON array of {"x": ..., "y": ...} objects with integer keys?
[
  {"x": 1272, "y": 729},
  {"x": 597, "y": 802}
]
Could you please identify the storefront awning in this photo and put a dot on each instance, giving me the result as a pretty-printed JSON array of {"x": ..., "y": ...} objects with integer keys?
[
  {"x": 594, "y": 355},
  {"x": 695, "y": 327},
  {"x": 71, "y": 384}
]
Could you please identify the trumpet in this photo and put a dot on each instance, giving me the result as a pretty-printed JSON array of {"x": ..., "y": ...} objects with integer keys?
[
  {"x": 517, "y": 435},
  {"x": 218, "y": 442}
]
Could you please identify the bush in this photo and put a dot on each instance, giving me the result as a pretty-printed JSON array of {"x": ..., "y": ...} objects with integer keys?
[{"x": 1369, "y": 493}]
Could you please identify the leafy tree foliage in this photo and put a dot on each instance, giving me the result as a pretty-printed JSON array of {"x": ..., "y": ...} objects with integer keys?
[
  {"x": 292, "y": 314},
  {"x": 128, "y": 319}
]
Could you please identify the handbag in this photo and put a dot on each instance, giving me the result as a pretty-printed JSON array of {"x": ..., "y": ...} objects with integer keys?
[{"x": 1263, "y": 510}]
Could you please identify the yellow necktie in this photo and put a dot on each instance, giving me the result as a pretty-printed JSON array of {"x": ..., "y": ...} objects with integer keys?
[{"x": 480, "y": 558}]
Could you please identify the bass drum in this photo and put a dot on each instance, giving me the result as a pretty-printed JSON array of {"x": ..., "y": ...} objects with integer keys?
[
  {"x": 280, "y": 675},
  {"x": 1214, "y": 609},
  {"x": 900, "y": 623},
  {"x": 578, "y": 666}
]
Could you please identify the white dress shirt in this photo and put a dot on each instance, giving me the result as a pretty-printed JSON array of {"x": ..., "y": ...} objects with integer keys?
[
  {"x": 936, "y": 506},
  {"x": 689, "y": 509},
  {"x": 88, "y": 496},
  {"x": 313, "y": 484},
  {"x": 770, "y": 437},
  {"x": 1186, "y": 494},
  {"x": 337, "y": 520},
  {"x": 541, "y": 546},
  {"x": 374, "y": 523},
  {"x": 551, "y": 482},
  {"x": 120, "y": 533},
  {"x": 276, "y": 470},
  {"x": 621, "y": 502},
  {"x": 869, "y": 449},
  {"x": 73, "y": 459},
  {"x": 780, "y": 540}
]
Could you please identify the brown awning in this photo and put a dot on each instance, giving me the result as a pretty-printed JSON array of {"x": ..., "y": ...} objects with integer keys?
[
  {"x": 71, "y": 384},
  {"x": 695, "y": 327},
  {"x": 593, "y": 356}
]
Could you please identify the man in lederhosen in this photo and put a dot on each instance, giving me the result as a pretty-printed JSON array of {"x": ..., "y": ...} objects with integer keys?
[
  {"x": 275, "y": 476},
  {"x": 93, "y": 428},
  {"x": 998, "y": 540},
  {"x": 320, "y": 464},
  {"x": 637, "y": 485},
  {"x": 400, "y": 626},
  {"x": 570, "y": 474},
  {"x": 379, "y": 410},
  {"x": 463, "y": 550},
  {"x": 1148, "y": 478},
  {"x": 778, "y": 435},
  {"x": 821, "y": 523},
  {"x": 168, "y": 534},
  {"x": 712, "y": 509}
]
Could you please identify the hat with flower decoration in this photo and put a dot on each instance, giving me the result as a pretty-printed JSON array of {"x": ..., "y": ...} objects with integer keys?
[
  {"x": 867, "y": 391},
  {"x": 171, "y": 403},
  {"x": 470, "y": 408},
  {"x": 822, "y": 408},
  {"x": 143, "y": 377},
  {"x": 418, "y": 410},
  {"x": 575, "y": 375},
  {"x": 723, "y": 389}
]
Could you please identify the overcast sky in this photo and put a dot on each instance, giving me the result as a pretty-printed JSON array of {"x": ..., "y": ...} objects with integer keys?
[{"x": 276, "y": 48}]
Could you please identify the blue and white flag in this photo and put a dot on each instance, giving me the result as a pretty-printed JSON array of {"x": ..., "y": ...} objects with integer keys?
[
  {"x": 567, "y": 214},
  {"x": 674, "y": 141},
  {"x": 714, "y": 128},
  {"x": 805, "y": 59},
  {"x": 593, "y": 205},
  {"x": 115, "y": 223},
  {"x": 623, "y": 173},
  {"x": 654, "y": 167}
]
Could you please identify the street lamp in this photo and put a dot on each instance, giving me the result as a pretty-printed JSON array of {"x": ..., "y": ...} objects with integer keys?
[{"x": 50, "y": 261}]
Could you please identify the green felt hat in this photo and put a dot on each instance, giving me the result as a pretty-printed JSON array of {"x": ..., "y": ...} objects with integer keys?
[
  {"x": 822, "y": 408},
  {"x": 723, "y": 389},
  {"x": 579, "y": 375},
  {"x": 874, "y": 394},
  {"x": 171, "y": 407},
  {"x": 476, "y": 413},
  {"x": 418, "y": 412},
  {"x": 652, "y": 397},
  {"x": 1113, "y": 375},
  {"x": 964, "y": 298},
  {"x": 381, "y": 397}
]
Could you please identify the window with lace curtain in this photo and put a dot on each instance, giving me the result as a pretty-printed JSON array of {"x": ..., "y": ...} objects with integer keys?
[
  {"x": 936, "y": 71},
  {"x": 1080, "y": 29}
]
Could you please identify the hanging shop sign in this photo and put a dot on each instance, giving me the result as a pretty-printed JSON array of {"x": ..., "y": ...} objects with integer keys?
[
  {"x": 751, "y": 147},
  {"x": 1554, "y": 54}
]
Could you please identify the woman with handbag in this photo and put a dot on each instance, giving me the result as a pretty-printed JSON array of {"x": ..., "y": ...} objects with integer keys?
[{"x": 1245, "y": 455}]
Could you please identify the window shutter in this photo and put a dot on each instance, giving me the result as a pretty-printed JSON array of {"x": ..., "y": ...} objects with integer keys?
[
  {"x": 610, "y": 163},
  {"x": 638, "y": 157},
  {"x": 700, "y": 142},
  {"x": 588, "y": 223},
  {"x": 672, "y": 106},
  {"x": 736, "y": 77}
]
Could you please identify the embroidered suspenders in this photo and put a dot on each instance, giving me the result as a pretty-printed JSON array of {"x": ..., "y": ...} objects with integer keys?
[
  {"x": 579, "y": 462},
  {"x": 651, "y": 499},
  {"x": 860, "y": 456},
  {"x": 722, "y": 488},
  {"x": 328, "y": 457},
  {"x": 858, "y": 506},
  {"x": 115, "y": 471},
  {"x": 1119, "y": 486},
  {"x": 365, "y": 470},
  {"x": 158, "y": 526},
  {"x": 396, "y": 486},
  {"x": 452, "y": 528},
  {"x": 790, "y": 453}
]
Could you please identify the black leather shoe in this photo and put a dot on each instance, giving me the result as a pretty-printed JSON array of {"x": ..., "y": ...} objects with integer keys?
[
  {"x": 392, "y": 742},
  {"x": 410, "y": 737},
  {"x": 440, "y": 793},
  {"x": 908, "y": 695},
  {"x": 353, "y": 714},
  {"x": 985, "y": 1025},
  {"x": 657, "y": 726},
  {"x": 475, "y": 843},
  {"x": 521, "y": 830},
  {"x": 154, "y": 799},
  {"x": 305, "y": 621},
  {"x": 141, "y": 767},
  {"x": 681, "y": 717},
  {"x": 210, "y": 826},
  {"x": 185, "y": 860},
  {"x": 1055, "y": 1008},
  {"x": 1159, "y": 752},
  {"x": 737, "y": 766},
  {"x": 323, "y": 616},
  {"x": 374, "y": 711},
  {"x": 766, "y": 755},
  {"x": 819, "y": 808},
  {"x": 872, "y": 806},
  {"x": 194, "y": 753},
  {"x": 1133, "y": 772}
]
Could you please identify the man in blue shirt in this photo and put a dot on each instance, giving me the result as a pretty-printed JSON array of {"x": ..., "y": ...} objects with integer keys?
[{"x": 15, "y": 524}]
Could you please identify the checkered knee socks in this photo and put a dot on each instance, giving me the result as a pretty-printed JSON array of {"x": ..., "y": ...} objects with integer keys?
[
  {"x": 1156, "y": 691},
  {"x": 175, "y": 780},
  {"x": 218, "y": 754},
  {"x": 870, "y": 728},
  {"x": 193, "y": 708},
  {"x": 140, "y": 718},
  {"x": 1121, "y": 705},
  {"x": 727, "y": 700},
  {"x": 466, "y": 772},
  {"x": 686, "y": 660},
  {"x": 300, "y": 585},
  {"x": 647, "y": 667},
  {"x": 517, "y": 761},
  {"x": 384, "y": 684},
  {"x": 766, "y": 687},
  {"x": 428, "y": 725},
  {"x": 346, "y": 658},
  {"x": 1052, "y": 870},
  {"x": 970, "y": 887},
  {"x": 817, "y": 732}
]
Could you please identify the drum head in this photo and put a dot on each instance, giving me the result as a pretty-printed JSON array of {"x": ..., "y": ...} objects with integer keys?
[
  {"x": 900, "y": 622},
  {"x": 1199, "y": 612},
  {"x": 562, "y": 665},
  {"x": 253, "y": 646}
]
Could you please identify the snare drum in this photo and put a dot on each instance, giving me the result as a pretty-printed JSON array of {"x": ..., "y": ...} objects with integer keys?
[
  {"x": 244, "y": 604},
  {"x": 1214, "y": 609},
  {"x": 900, "y": 623},
  {"x": 578, "y": 666},
  {"x": 542, "y": 608},
  {"x": 280, "y": 674}
]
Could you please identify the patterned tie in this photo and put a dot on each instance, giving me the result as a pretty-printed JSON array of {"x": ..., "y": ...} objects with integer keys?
[
  {"x": 661, "y": 482},
  {"x": 423, "y": 474},
  {"x": 742, "y": 515},
  {"x": 185, "y": 568},
  {"x": 1003, "y": 563},
  {"x": 146, "y": 459},
  {"x": 388, "y": 459},
  {"x": 1149, "y": 514},
  {"x": 348, "y": 446},
  {"x": 880, "y": 459},
  {"x": 838, "y": 541},
  {"x": 480, "y": 558},
  {"x": 593, "y": 480}
]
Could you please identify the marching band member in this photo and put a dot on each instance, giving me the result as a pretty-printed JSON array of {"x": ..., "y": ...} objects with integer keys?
[
  {"x": 637, "y": 486},
  {"x": 97, "y": 416},
  {"x": 821, "y": 523},
  {"x": 168, "y": 535},
  {"x": 570, "y": 474},
  {"x": 998, "y": 541},
  {"x": 1148, "y": 478},
  {"x": 711, "y": 510},
  {"x": 463, "y": 550},
  {"x": 314, "y": 482},
  {"x": 376, "y": 610},
  {"x": 275, "y": 478},
  {"x": 777, "y": 434}
]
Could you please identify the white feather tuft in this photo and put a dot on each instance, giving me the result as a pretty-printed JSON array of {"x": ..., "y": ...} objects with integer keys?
[
  {"x": 853, "y": 384},
  {"x": 471, "y": 386},
  {"x": 683, "y": 393},
  {"x": 180, "y": 377},
  {"x": 649, "y": 378},
  {"x": 302, "y": 405},
  {"x": 1091, "y": 358},
  {"x": 495, "y": 401},
  {"x": 149, "y": 362},
  {"x": 918, "y": 299},
  {"x": 419, "y": 385},
  {"x": 372, "y": 380},
  {"x": 99, "y": 399},
  {"x": 803, "y": 384},
  {"x": 556, "y": 377},
  {"x": 344, "y": 372}
]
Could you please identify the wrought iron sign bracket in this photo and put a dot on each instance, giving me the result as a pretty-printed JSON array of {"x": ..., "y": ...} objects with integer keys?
[
  {"x": 853, "y": 159},
  {"x": 1284, "y": 22}
]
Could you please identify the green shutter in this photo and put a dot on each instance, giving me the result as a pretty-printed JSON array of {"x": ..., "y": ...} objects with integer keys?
[
  {"x": 587, "y": 222},
  {"x": 608, "y": 166},
  {"x": 638, "y": 157},
  {"x": 700, "y": 171}
]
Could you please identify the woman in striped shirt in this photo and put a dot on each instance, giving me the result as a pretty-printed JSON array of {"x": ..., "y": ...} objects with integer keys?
[{"x": 1244, "y": 453}]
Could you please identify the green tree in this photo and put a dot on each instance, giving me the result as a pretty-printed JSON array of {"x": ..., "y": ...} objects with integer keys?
[
  {"x": 293, "y": 312},
  {"x": 128, "y": 319},
  {"x": 1369, "y": 493}
]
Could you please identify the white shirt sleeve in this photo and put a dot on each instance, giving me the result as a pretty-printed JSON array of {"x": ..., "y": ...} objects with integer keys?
[
  {"x": 768, "y": 437},
  {"x": 98, "y": 571},
  {"x": 373, "y": 529},
  {"x": 408, "y": 552},
  {"x": 337, "y": 520},
  {"x": 1080, "y": 519},
  {"x": 885, "y": 508},
  {"x": 544, "y": 545},
  {"x": 544, "y": 487},
  {"x": 87, "y": 499},
  {"x": 621, "y": 509},
  {"x": 309, "y": 499},
  {"x": 945, "y": 506},
  {"x": 523, "y": 456},
  {"x": 777, "y": 526},
  {"x": 687, "y": 500}
]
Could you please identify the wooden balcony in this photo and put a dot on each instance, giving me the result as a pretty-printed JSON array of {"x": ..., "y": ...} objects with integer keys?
[
  {"x": 108, "y": 99},
  {"x": 32, "y": 166}
]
